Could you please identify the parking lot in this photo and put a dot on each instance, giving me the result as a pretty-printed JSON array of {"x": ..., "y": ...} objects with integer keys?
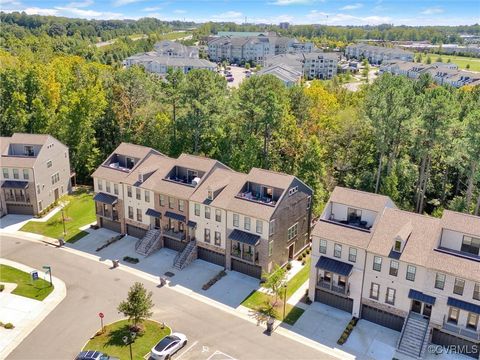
[
  {"x": 202, "y": 351},
  {"x": 238, "y": 76}
]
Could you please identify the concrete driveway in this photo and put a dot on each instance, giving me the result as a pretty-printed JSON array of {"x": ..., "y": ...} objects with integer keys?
[{"x": 231, "y": 290}]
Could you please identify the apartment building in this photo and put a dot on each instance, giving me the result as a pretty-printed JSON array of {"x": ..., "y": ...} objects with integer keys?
[
  {"x": 413, "y": 273},
  {"x": 176, "y": 49},
  {"x": 377, "y": 54},
  {"x": 313, "y": 65},
  {"x": 203, "y": 209},
  {"x": 287, "y": 74},
  {"x": 35, "y": 173}
]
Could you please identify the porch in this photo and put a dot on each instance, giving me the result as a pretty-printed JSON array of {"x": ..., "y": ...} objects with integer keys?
[{"x": 244, "y": 246}]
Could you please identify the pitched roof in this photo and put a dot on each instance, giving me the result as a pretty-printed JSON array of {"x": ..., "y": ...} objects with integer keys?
[
  {"x": 343, "y": 234},
  {"x": 360, "y": 199},
  {"x": 465, "y": 223}
]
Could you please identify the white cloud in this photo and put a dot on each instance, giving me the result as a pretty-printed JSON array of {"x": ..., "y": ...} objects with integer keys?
[
  {"x": 124, "y": 2},
  {"x": 432, "y": 11},
  {"x": 347, "y": 19},
  {"x": 152, "y": 8},
  {"x": 352, "y": 6},
  {"x": 87, "y": 14},
  {"x": 4, "y": 3},
  {"x": 316, "y": 16},
  {"x": 79, "y": 4},
  {"x": 230, "y": 16},
  {"x": 292, "y": 2},
  {"x": 39, "y": 11},
  {"x": 179, "y": 11}
]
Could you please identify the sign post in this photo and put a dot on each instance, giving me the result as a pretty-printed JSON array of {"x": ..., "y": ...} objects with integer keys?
[
  {"x": 48, "y": 270},
  {"x": 101, "y": 316}
]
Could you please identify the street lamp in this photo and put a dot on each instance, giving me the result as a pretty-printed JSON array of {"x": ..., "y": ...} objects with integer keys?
[
  {"x": 129, "y": 340},
  {"x": 284, "y": 299},
  {"x": 62, "y": 207}
]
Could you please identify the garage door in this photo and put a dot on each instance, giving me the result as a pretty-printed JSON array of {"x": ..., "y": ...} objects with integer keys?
[
  {"x": 135, "y": 231},
  {"x": 441, "y": 338},
  {"x": 383, "y": 318},
  {"x": 174, "y": 244},
  {"x": 248, "y": 269},
  {"x": 20, "y": 209},
  {"x": 336, "y": 301},
  {"x": 211, "y": 256},
  {"x": 110, "y": 225}
]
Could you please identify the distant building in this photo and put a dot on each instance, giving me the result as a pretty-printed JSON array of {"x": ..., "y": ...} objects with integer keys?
[
  {"x": 284, "y": 25},
  {"x": 287, "y": 74},
  {"x": 377, "y": 54},
  {"x": 313, "y": 65},
  {"x": 176, "y": 49}
]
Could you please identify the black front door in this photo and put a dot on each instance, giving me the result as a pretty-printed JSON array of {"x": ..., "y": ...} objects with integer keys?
[
  {"x": 417, "y": 306},
  {"x": 427, "y": 310},
  {"x": 290, "y": 251},
  {"x": 157, "y": 223}
]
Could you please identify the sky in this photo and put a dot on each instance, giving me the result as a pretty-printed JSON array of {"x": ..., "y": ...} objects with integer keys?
[{"x": 330, "y": 12}]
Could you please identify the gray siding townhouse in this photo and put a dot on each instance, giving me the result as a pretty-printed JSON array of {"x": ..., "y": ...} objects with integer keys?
[
  {"x": 377, "y": 54},
  {"x": 312, "y": 65},
  {"x": 35, "y": 173}
]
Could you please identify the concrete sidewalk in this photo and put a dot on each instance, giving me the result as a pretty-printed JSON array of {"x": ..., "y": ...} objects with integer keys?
[
  {"x": 24, "y": 313},
  {"x": 14, "y": 222}
]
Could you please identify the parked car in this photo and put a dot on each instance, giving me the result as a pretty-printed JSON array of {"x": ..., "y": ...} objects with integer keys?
[
  {"x": 94, "y": 355},
  {"x": 230, "y": 79},
  {"x": 168, "y": 346}
]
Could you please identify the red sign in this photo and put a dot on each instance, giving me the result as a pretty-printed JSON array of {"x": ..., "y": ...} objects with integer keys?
[{"x": 101, "y": 315}]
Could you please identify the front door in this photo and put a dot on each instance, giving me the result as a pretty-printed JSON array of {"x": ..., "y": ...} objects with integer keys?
[
  {"x": 427, "y": 310},
  {"x": 417, "y": 306},
  {"x": 56, "y": 194},
  {"x": 290, "y": 251},
  {"x": 157, "y": 223}
]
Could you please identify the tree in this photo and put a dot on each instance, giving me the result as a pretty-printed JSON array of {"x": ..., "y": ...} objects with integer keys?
[
  {"x": 137, "y": 307},
  {"x": 173, "y": 88},
  {"x": 275, "y": 282}
]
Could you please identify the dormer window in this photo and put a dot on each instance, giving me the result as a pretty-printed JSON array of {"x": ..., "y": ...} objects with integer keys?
[
  {"x": 354, "y": 215},
  {"x": 398, "y": 246},
  {"x": 28, "y": 150},
  {"x": 130, "y": 163},
  {"x": 210, "y": 194}
]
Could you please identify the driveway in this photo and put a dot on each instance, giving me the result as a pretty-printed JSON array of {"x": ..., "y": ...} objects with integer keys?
[
  {"x": 238, "y": 76},
  {"x": 231, "y": 290}
]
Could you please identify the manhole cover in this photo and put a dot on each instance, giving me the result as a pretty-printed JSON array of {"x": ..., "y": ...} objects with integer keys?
[{"x": 169, "y": 274}]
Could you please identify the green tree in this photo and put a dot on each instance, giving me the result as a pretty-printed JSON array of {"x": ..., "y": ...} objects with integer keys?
[
  {"x": 137, "y": 307},
  {"x": 173, "y": 88},
  {"x": 275, "y": 282}
]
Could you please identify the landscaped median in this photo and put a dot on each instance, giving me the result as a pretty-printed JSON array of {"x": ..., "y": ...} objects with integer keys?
[
  {"x": 79, "y": 211},
  {"x": 259, "y": 299}
]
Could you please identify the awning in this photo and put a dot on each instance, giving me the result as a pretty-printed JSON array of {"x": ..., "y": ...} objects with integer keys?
[
  {"x": 192, "y": 224},
  {"x": 105, "y": 198},
  {"x": 418, "y": 295},
  {"x": 154, "y": 213},
  {"x": 244, "y": 237},
  {"x": 9, "y": 184},
  {"x": 334, "y": 266},
  {"x": 175, "y": 216},
  {"x": 463, "y": 305}
]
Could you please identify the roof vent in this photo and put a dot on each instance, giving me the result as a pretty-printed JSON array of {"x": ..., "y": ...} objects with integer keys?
[
  {"x": 140, "y": 177},
  {"x": 209, "y": 193},
  {"x": 195, "y": 181}
]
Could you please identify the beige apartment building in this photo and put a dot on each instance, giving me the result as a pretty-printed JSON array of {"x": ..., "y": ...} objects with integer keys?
[
  {"x": 35, "y": 173},
  {"x": 413, "y": 273}
]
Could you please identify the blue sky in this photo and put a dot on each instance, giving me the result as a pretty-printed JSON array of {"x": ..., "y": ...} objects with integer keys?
[{"x": 332, "y": 12}]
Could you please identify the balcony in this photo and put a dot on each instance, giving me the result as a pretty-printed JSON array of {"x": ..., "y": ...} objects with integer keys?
[
  {"x": 358, "y": 225},
  {"x": 454, "y": 329},
  {"x": 173, "y": 234},
  {"x": 245, "y": 255},
  {"x": 335, "y": 288},
  {"x": 23, "y": 199},
  {"x": 112, "y": 215}
]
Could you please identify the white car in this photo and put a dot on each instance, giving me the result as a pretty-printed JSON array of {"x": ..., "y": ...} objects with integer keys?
[{"x": 168, "y": 346}]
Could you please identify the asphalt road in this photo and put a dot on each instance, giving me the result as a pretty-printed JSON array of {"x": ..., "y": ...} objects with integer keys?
[{"x": 92, "y": 288}]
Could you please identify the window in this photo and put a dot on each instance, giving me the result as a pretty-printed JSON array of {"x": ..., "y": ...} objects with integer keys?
[
  {"x": 411, "y": 270},
  {"x": 49, "y": 163},
  {"x": 218, "y": 238},
  {"x": 458, "y": 287},
  {"x": 390, "y": 297},
  {"x": 129, "y": 191},
  {"x": 398, "y": 245},
  {"x": 259, "y": 226},
  {"x": 476, "y": 291},
  {"x": 292, "y": 190},
  {"x": 354, "y": 215},
  {"x": 337, "y": 251},
  {"x": 196, "y": 209},
  {"x": 130, "y": 163},
  {"x": 115, "y": 189},
  {"x": 38, "y": 189},
  {"x": 453, "y": 315},
  {"x": 139, "y": 214},
  {"x": 56, "y": 178},
  {"x": 207, "y": 212},
  {"x": 181, "y": 205},
  {"x": 207, "y": 236},
  {"x": 270, "y": 248},
  {"x": 107, "y": 186},
  {"x": 472, "y": 321},
  {"x": 352, "y": 254},
  {"x": 377, "y": 263},
  {"x": 246, "y": 223},
  {"x": 236, "y": 220},
  {"x": 210, "y": 194},
  {"x": 218, "y": 215},
  {"x": 40, "y": 206},
  {"x": 374, "y": 290},
  {"x": 292, "y": 231},
  {"x": 393, "y": 268},
  {"x": 309, "y": 202},
  {"x": 147, "y": 196},
  {"x": 28, "y": 150},
  {"x": 15, "y": 173},
  {"x": 171, "y": 202},
  {"x": 162, "y": 200},
  {"x": 471, "y": 245},
  {"x": 5, "y": 173},
  {"x": 439, "y": 281},
  {"x": 272, "y": 227},
  {"x": 323, "y": 246},
  {"x": 130, "y": 212},
  {"x": 138, "y": 194},
  {"x": 25, "y": 174}
]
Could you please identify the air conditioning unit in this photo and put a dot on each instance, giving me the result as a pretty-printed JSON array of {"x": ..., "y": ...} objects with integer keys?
[
  {"x": 196, "y": 181},
  {"x": 140, "y": 177}
]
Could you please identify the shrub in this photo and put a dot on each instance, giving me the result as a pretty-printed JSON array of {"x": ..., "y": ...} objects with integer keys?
[
  {"x": 304, "y": 262},
  {"x": 299, "y": 258},
  {"x": 304, "y": 255},
  {"x": 8, "y": 326},
  {"x": 308, "y": 251},
  {"x": 349, "y": 327},
  {"x": 2, "y": 287},
  {"x": 131, "y": 260},
  {"x": 289, "y": 266}
]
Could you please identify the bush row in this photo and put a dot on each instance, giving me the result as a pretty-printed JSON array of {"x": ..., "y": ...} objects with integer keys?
[
  {"x": 348, "y": 329},
  {"x": 212, "y": 281}
]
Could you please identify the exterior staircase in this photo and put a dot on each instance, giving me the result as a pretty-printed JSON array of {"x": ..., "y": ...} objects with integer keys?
[
  {"x": 149, "y": 243},
  {"x": 185, "y": 257},
  {"x": 415, "y": 336}
]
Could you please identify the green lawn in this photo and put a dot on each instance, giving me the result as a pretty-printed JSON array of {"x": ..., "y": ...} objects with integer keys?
[
  {"x": 80, "y": 211},
  {"x": 37, "y": 290},
  {"x": 299, "y": 278},
  {"x": 461, "y": 61},
  {"x": 111, "y": 343}
]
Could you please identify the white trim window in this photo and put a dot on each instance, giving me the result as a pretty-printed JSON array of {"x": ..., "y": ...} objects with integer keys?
[
  {"x": 196, "y": 209},
  {"x": 411, "y": 271},
  {"x": 337, "y": 250},
  {"x": 323, "y": 246},
  {"x": 377, "y": 263},
  {"x": 352, "y": 254},
  {"x": 439, "y": 281},
  {"x": 259, "y": 226},
  {"x": 236, "y": 220},
  {"x": 292, "y": 231},
  {"x": 374, "y": 291}
]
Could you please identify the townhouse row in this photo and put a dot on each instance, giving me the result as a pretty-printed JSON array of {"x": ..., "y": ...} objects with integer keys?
[
  {"x": 35, "y": 172},
  {"x": 203, "y": 209},
  {"x": 409, "y": 272},
  {"x": 377, "y": 54}
]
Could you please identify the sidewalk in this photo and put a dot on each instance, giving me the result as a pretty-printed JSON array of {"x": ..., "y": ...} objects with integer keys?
[
  {"x": 24, "y": 313},
  {"x": 13, "y": 222}
]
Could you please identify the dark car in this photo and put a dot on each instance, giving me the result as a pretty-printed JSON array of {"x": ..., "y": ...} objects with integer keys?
[{"x": 94, "y": 355}]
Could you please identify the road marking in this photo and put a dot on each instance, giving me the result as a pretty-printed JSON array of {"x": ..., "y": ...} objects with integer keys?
[
  {"x": 188, "y": 349},
  {"x": 226, "y": 357}
]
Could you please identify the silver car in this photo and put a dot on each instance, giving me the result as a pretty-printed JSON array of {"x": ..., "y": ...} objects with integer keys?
[{"x": 168, "y": 346}]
